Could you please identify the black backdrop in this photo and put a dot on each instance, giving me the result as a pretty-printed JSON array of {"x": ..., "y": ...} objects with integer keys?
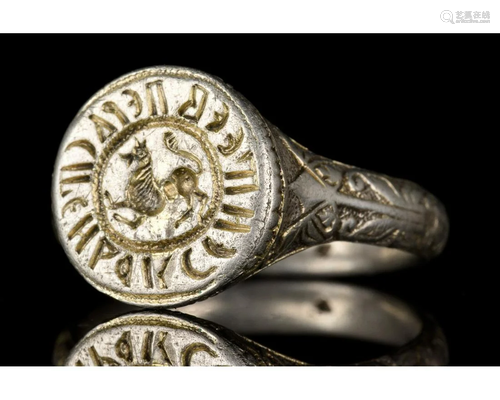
[{"x": 419, "y": 107}]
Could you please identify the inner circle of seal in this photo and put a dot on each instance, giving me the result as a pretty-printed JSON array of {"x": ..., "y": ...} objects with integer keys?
[{"x": 170, "y": 244}]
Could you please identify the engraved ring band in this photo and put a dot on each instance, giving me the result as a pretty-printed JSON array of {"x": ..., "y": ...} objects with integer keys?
[{"x": 169, "y": 186}]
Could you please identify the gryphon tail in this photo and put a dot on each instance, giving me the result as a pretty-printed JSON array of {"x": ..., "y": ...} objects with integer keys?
[{"x": 172, "y": 144}]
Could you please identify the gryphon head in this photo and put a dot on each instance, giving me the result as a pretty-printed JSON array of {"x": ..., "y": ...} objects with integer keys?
[{"x": 139, "y": 152}]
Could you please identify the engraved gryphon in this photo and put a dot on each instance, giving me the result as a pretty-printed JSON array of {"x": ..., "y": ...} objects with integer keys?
[{"x": 147, "y": 196}]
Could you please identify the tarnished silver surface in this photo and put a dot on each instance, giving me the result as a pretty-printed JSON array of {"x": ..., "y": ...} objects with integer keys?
[
  {"x": 212, "y": 334},
  {"x": 169, "y": 186}
]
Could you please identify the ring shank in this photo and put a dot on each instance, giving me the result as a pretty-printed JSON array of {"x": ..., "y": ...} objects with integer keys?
[
  {"x": 342, "y": 207},
  {"x": 342, "y": 259}
]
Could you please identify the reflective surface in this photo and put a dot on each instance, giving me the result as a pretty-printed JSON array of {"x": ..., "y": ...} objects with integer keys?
[{"x": 215, "y": 332}]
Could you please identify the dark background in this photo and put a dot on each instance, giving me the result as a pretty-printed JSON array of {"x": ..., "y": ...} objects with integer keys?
[{"x": 419, "y": 107}]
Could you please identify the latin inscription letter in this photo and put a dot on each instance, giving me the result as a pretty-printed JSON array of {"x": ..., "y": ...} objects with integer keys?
[
  {"x": 102, "y": 125},
  {"x": 198, "y": 106},
  {"x": 104, "y": 250},
  {"x": 162, "y": 100},
  {"x": 135, "y": 102},
  {"x": 111, "y": 108}
]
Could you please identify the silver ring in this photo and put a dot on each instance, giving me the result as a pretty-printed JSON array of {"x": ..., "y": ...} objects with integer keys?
[
  {"x": 169, "y": 186},
  {"x": 214, "y": 332}
]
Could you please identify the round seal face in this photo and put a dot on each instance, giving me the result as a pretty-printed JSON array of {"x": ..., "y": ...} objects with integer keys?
[{"x": 166, "y": 187}]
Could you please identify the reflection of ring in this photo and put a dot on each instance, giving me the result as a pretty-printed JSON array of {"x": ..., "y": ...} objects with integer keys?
[
  {"x": 169, "y": 186},
  {"x": 257, "y": 308}
]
